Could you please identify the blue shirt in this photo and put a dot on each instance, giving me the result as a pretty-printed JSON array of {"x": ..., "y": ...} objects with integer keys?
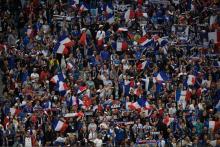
[{"x": 105, "y": 55}]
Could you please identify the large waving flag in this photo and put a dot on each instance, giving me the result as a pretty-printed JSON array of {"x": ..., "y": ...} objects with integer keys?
[
  {"x": 83, "y": 40},
  {"x": 160, "y": 77},
  {"x": 129, "y": 14},
  {"x": 134, "y": 106},
  {"x": 144, "y": 41},
  {"x": 63, "y": 45},
  {"x": 62, "y": 86},
  {"x": 181, "y": 97},
  {"x": 139, "y": 104},
  {"x": 142, "y": 65},
  {"x": 59, "y": 126},
  {"x": 58, "y": 77},
  {"x": 86, "y": 102}
]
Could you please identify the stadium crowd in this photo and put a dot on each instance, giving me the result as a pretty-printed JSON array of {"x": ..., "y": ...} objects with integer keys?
[{"x": 110, "y": 73}]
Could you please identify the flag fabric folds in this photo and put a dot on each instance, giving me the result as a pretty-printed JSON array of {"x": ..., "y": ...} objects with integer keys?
[
  {"x": 59, "y": 126},
  {"x": 63, "y": 45}
]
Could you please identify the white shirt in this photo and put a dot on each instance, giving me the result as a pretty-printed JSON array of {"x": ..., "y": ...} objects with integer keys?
[
  {"x": 172, "y": 110},
  {"x": 28, "y": 142},
  {"x": 34, "y": 77}
]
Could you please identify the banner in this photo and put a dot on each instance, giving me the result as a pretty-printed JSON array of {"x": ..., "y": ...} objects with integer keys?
[{"x": 121, "y": 8}]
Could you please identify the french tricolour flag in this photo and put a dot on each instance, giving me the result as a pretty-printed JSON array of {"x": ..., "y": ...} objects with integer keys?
[
  {"x": 134, "y": 106},
  {"x": 121, "y": 46},
  {"x": 62, "y": 46},
  {"x": 129, "y": 14},
  {"x": 144, "y": 41},
  {"x": 160, "y": 77},
  {"x": 182, "y": 96},
  {"x": 56, "y": 78},
  {"x": 79, "y": 114},
  {"x": 83, "y": 8},
  {"x": 168, "y": 120},
  {"x": 15, "y": 111},
  {"x": 59, "y": 126},
  {"x": 83, "y": 40},
  {"x": 141, "y": 65},
  {"x": 62, "y": 86},
  {"x": 140, "y": 103},
  {"x": 191, "y": 80},
  {"x": 81, "y": 89}
]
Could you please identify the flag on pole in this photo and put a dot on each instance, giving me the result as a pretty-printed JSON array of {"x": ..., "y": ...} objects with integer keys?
[{"x": 58, "y": 77}]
